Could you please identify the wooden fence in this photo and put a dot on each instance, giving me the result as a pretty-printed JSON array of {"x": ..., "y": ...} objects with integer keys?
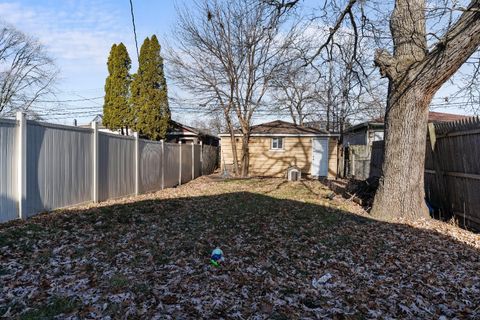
[
  {"x": 357, "y": 161},
  {"x": 452, "y": 169}
]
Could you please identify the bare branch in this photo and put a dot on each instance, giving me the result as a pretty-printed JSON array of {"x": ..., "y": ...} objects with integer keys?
[{"x": 26, "y": 72}]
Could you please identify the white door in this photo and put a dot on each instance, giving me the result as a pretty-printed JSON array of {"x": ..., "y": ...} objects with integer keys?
[{"x": 320, "y": 157}]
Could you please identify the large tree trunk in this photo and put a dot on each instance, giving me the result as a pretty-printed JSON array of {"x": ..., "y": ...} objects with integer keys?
[
  {"x": 415, "y": 75},
  {"x": 233, "y": 140},
  {"x": 401, "y": 191}
]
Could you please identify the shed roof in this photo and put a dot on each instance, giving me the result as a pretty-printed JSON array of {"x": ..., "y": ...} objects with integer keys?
[{"x": 283, "y": 127}]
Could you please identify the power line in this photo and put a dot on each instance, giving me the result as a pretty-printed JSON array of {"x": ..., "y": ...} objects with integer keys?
[
  {"x": 134, "y": 29},
  {"x": 69, "y": 100}
]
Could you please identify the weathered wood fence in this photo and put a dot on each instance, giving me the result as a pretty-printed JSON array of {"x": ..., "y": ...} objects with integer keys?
[
  {"x": 357, "y": 162},
  {"x": 47, "y": 166},
  {"x": 452, "y": 169}
]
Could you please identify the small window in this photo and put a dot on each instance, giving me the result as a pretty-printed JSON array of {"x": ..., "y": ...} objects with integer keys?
[{"x": 277, "y": 143}]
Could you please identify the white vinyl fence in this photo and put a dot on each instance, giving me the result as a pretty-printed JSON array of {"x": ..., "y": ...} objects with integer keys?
[{"x": 48, "y": 166}]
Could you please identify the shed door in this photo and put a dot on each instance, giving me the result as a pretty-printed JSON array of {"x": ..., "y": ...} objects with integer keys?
[{"x": 320, "y": 157}]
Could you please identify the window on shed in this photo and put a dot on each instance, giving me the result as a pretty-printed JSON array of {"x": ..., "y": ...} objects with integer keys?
[
  {"x": 378, "y": 136},
  {"x": 277, "y": 143}
]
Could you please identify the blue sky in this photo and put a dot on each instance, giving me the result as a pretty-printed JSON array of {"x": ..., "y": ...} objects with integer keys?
[{"x": 78, "y": 34}]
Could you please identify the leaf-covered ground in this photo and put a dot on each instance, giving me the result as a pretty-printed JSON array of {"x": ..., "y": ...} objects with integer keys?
[{"x": 290, "y": 252}]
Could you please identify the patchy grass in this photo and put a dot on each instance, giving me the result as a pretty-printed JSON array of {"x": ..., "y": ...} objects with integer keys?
[
  {"x": 290, "y": 252},
  {"x": 57, "y": 306},
  {"x": 118, "y": 282}
]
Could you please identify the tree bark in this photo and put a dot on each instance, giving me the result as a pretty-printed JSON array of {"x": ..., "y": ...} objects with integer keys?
[
  {"x": 233, "y": 143},
  {"x": 401, "y": 189},
  {"x": 245, "y": 155},
  {"x": 415, "y": 75}
]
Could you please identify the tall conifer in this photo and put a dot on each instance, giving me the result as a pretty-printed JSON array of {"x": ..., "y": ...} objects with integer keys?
[
  {"x": 149, "y": 92},
  {"x": 117, "y": 112}
]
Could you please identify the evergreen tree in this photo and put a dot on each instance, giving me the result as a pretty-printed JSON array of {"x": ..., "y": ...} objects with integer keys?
[
  {"x": 117, "y": 112},
  {"x": 149, "y": 92},
  {"x": 107, "y": 106}
]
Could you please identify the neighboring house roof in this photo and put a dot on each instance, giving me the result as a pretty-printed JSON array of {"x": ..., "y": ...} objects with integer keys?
[
  {"x": 180, "y": 129},
  {"x": 99, "y": 119},
  {"x": 369, "y": 125},
  {"x": 280, "y": 127},
  {"x": 438, "y": 117},
  {"x": 176, "y": 128},
  {"x": 444, "y": 117},
  {"x": 434, "y": 117}
]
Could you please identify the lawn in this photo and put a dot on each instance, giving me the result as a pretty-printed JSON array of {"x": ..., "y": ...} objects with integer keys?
[{"x": 290, "y": 252}]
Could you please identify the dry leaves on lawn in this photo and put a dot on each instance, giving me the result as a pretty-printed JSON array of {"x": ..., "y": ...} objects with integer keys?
[{"x": 291, "y": 251}]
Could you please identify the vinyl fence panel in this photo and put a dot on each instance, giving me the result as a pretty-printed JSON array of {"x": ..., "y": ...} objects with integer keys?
[
  {"x": 116, "y": 173},
  {"x": 186, "y": 162},
  {"x": 171, "y": 170},
  {"x": 8, "y": 171},
  {"x": 197, "y": 152},
  {"x": 150, "y": 165},
  {"x": 59, "y": 166},
  {"x": 65, "y": 166}
]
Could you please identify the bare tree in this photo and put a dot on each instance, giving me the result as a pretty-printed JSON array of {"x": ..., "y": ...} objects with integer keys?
[
  {"x": 416, "y": 72},
  {"x": 351, "y": 90},
  {"x": 226, "y": 55},
  {"x": 420, "y": 63},
  {"x": 297, "y": 90},
  {"x": 467, "y": 85},
  {"x": 26, "y": 72},
  {"x": 212, "y": 124},
  {"x": 339, "y": 87}
]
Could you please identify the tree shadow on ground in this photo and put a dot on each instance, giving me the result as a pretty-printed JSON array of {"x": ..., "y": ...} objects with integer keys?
[{"x": 283, "y": 259}]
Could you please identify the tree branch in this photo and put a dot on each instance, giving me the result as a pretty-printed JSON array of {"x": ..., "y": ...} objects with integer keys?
[{"x": 454, "y": 48}]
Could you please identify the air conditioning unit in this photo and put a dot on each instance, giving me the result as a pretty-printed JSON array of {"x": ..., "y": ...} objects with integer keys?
[{"x": 294, "y": 174}]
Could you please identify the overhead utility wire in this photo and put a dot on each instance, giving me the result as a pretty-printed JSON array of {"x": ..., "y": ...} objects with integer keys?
[
  {"x": 69, "y": 100},
  {"x": 134, "y": 29}
]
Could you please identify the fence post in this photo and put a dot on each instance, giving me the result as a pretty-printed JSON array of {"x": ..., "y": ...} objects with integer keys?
[
  {"x": 163, "y": 164},
  {"x": 201, "y": 158},
  {"x": 22, "y": 164},
  {"x": 95, "y": 162},
  {"x": 137, "y": 163},
  {"x": 180, "y": 164},
  {"x": 193, "y": 160}
]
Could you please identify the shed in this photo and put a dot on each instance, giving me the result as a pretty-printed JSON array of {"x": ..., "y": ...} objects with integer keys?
[{"x": 278, "y": 145}]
